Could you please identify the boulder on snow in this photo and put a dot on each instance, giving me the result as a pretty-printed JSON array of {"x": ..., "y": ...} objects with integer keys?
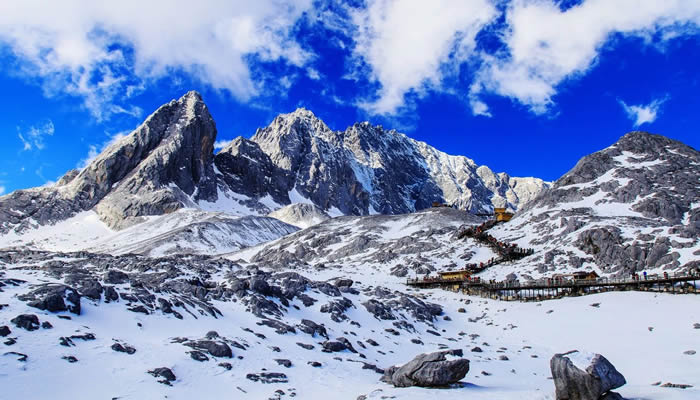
[
  {"x": 53, "y": 298},
  {"x": 29, "y": 322},
  {"x": 584, "y": 376},
  {"x": 429, "y": 370}
]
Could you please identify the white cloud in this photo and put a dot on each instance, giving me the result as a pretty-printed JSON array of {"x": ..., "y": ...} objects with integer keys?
[
  {"x": 2, "y": 190},
  {"x": 76, "y": 47},
  {"x": 642, "y": 114},
  {"x": 313, "y": 74},
  {"x": 546, "y": 46},
  {"x": 33, "y": 138},
  {"x": 407, "y": 43},
  {"x": 220, "y": 144}
]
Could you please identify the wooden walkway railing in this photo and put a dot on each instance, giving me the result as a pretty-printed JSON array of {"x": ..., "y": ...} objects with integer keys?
[{"x": 558, "y": 287}]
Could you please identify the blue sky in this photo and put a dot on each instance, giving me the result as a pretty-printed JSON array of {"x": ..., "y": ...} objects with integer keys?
[{"x": 523, "y": 86}]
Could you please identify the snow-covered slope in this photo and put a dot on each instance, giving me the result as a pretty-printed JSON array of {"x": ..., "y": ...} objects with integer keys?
[
  {"x": 300, "y": 215},
  {"x": 633, "y": 206},
  {"x": 219, "y": 326},
  {"x": 187, "y": 231},
  {"x": 391, "y": 245}
]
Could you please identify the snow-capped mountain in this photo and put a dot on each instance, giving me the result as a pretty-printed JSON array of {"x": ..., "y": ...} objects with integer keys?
[
  {"x": 633, "y": 206},
  {"x": 168, "y": 163},
  {"x": 163, "y": 165},
  {"x": 362, "y": 170}
]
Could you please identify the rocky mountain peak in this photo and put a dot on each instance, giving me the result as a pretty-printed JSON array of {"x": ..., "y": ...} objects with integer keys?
[{"x": 163, "y": 164}]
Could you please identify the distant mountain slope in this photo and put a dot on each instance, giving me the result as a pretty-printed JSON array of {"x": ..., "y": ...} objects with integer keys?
[
  {"x": 633, "y": 206},
  {"x": 362, "y": 170},
  {"x": 186, "y": 231}
]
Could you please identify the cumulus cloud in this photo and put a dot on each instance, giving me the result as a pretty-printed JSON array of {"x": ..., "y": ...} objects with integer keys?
[
  {"x": 33, "y": 138},
  {"x": 545, "y": 46},
  {"x": 643, "y": 114},
  {"x": 103, "y": 51},
  {"x": 2, "y": 190},
  {"x": 407, "y": 44}
]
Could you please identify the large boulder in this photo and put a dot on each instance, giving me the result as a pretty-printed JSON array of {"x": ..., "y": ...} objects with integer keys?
[
  {"x": 584, "y": 376},
  {"x": 429, "y": 370}
]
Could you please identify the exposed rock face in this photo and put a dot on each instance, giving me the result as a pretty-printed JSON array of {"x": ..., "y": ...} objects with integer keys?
[
  {"x": 361, "y": 170},
  {"x": 428, "y": 370},
  {"x": 633, "y": 206},
  {"x": 165, "y": 163},
  {"x": 580, "y": 376}
]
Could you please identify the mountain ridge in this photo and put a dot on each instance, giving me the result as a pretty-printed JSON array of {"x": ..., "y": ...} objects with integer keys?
[{"x": 168, "y": 163}]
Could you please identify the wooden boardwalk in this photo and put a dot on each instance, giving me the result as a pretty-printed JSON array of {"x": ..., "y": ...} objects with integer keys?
[{"x": 551, "y": 288}]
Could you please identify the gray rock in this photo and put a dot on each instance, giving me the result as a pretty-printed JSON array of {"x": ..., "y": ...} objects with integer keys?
[
  {"x": 53, "y": 298},
  {"x": 118, "y": 347},
  {"x": 5, "y": 330},
  {"x": 428, "y": 370},
  {"x": 165, "y": 373},
  {"x": 28, "y": 322},
  {"x": 268, "y": 377},
  {"x": 597, "y": 377},
  {"x": 215, "y": 348}
]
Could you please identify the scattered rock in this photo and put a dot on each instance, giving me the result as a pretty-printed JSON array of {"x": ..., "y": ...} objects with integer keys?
[
  {"x": 343, "y": 283},
  {"x": 118, "y": 347},
  {"x": 268, "y": 377},
  {"x": 476, "y": 349},
  {"x": 315, "y": 364},
  {"x": 461, "y": 310},
  {"x": 165, "y": 373},
  {"x": 70, "y": 359},
  {"x": 689, "y": 352},
  {"x": 5, "y": 330},
  {"x": 283, "y": 362},
  {"x": 676, "y": 385},
  {"x": 29, "y": 322},
  {"x": 226, "y": 366},
  {"x": 305, "y": 346},
  {"x": 214, "y": 348},
  {"x": 46, "y": 325},
  {"x": 53, "y": 298},
  {"x": 198, "y": 356}
]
